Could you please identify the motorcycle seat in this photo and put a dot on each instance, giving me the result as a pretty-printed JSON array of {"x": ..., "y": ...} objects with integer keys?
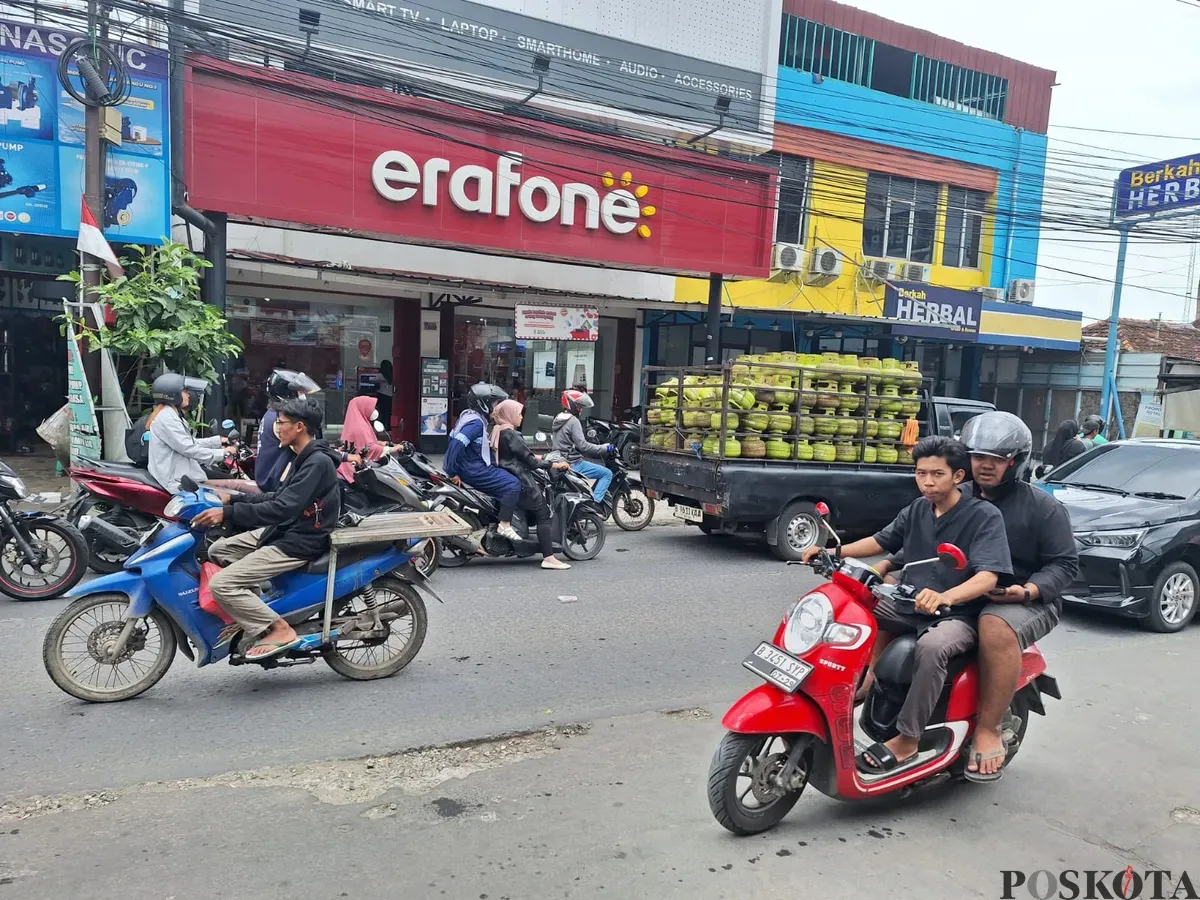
[
  {"x": 895, "y": 664},
  {"x": 126, "y": 470},
  {"x": 349, "y": 556}
]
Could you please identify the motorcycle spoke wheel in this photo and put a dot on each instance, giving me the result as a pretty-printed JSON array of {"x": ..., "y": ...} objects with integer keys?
[
  {"x": 744, "y": 793},
  {"x": 585, "y": 537},
  {"x": 62, "y": 555},
  {"x": 78, "y": 650},
  {"x": 368, "y": 660},
  {"x": 633, "y": 510}
]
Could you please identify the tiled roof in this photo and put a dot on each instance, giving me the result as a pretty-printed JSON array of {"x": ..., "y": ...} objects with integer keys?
[{"x": 1152, "y": 336}]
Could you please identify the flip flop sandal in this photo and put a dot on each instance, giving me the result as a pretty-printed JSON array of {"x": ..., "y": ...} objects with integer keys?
[
  {"x": 980, "y": 758},
  {"x": 280, "y": 647},
  {"x": 878, "y": 758}
]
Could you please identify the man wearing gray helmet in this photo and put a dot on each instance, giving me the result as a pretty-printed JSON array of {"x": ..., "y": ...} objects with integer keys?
[{"x": 1027, "y": 606}]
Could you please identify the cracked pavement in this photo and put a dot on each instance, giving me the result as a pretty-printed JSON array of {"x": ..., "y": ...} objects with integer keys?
[{"x": 235, "y": 784}]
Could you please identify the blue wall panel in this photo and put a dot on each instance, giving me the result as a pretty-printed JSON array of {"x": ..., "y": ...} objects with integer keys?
[{"x": 858, "y": 112}]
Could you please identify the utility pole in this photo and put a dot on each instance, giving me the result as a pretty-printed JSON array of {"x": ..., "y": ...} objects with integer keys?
[
  {"x": 93, "y": 194},
  {"x": 712, "y": 345}
]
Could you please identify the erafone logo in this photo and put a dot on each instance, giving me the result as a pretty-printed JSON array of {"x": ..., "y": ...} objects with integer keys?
[
  {"x": 490, "y": 192},
  {"x": 1098, "y": 884}
]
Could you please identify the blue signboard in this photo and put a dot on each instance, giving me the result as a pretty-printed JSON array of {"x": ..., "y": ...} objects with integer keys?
[
  {"x": 42, "y": 142},
  {"x": 921, "y": 310},
  {"x": 1158, "y": 188}
]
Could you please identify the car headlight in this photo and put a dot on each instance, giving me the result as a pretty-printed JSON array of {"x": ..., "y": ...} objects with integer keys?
[
  {"x": 1129, "y": 539},
  {"x": 173, "y": 508},
  {"x": 16, "y": 484},
  {"x": 807, "y": 621}
]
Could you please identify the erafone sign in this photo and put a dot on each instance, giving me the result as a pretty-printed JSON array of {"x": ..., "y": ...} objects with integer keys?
[{"x": 616, "y": 205}]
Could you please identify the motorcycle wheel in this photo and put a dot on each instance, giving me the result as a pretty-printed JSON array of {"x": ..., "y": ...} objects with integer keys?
[
  {"x": 66, "y": 554},
  {"x": 370, "y": 660},
  {"x": 631, "y": 455},
  {"x": 585, "y": 536},
  {"x": 429, "y": 559},
  {"x": 633, "y": 510},
  {"x": 74, "y": 657},
  {"x": 101, "y": 559},
  {"x": 743, "y": 767}
]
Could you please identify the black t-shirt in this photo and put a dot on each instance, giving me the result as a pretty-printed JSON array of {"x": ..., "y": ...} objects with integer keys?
[{"x": 972, "y": 525}]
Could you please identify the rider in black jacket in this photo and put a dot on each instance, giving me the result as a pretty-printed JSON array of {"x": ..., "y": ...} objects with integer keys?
[
  {"x": 291, "y": 526},
  {"x": 515, "y": 457}
]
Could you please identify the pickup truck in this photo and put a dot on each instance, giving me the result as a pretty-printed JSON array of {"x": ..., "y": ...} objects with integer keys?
[{"x": 779, "y": 497}]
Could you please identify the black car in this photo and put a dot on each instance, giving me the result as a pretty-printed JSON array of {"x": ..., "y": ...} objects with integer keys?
[{"x": 1135, "y": 510}]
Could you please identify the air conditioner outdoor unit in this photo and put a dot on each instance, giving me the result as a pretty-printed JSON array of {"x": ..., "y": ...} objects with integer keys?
[
  {"x": 994, "y": 294},
  {"x": 879, "y": 270},
  {"x": 1021, "y": 291},
  {"x": 787, "y": 258},
  {"x": 915, "y": 272},
  {"x": 824, "y": 266}
]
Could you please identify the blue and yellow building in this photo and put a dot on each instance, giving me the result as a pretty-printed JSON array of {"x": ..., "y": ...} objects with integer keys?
[{"x": 907, "y": 162}]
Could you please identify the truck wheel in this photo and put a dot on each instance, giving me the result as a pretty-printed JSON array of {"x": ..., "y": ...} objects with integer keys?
[{"x": 799, "y": 528}]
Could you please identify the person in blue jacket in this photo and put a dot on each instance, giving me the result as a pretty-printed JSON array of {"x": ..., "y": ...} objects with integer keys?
[
  {"x": 272, "y": 459},
  {"x": 469, "y": 455}
]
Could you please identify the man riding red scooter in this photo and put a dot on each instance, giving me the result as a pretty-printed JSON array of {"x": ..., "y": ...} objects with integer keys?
[{"x": 800, "y": 728}]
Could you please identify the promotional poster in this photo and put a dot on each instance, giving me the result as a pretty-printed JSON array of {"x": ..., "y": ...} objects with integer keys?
[{"x": 42, "y": 142}]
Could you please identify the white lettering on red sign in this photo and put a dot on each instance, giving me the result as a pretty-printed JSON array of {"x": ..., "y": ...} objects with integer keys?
[{"x": 478, "y": 189}]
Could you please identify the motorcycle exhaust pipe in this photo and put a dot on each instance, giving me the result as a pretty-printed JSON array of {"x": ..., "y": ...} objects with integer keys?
[{"x": 109, "y": 535}]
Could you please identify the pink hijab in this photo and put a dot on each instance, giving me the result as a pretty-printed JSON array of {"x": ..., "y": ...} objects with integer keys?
[
  {"x": 358, "y": 434},
  {"x": 507, "y": 414}
]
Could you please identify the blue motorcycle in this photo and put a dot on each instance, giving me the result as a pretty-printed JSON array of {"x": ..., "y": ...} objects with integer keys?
[{"x": 119, "y": 637}]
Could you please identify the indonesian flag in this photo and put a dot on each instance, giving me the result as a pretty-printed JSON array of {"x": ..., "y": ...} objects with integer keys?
[{"x": 92, "y": 242}]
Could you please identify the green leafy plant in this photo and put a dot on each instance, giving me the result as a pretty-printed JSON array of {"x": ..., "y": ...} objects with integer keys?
[{"x": 159, "y": 312}]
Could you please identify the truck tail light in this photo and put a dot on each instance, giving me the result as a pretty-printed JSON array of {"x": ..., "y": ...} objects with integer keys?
[{"x": 713, "y": 509}]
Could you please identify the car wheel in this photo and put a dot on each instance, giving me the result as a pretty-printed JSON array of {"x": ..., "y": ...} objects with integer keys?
[
  {"x": 799, "y": 528},
  {"x": 1174, "y": 599}
]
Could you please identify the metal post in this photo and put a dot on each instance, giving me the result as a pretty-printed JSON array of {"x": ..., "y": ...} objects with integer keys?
[
  {"x": 330, "y": 577},
  {"x": 93, "y": 195},
  {"x": 1114, "y": 317},
  {"x": 712, "y": 346}
]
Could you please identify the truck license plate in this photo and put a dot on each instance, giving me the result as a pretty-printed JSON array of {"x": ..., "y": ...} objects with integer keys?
[
  {"x": 689, "y": 513},
  {"x": 781, "y": 669}
]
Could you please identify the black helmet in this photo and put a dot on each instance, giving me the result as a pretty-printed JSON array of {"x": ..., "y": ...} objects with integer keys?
[
  {"x": 483, "y": 397},
  {"x": 1093, "y": 424},
  {"x": 1003, "y": 436},
  {"x": 286, "y": 384},
  {"x": 169, "y": 388}
]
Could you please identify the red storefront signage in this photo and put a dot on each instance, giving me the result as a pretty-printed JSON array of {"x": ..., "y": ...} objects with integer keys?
[{"x": 289, "y": 149}]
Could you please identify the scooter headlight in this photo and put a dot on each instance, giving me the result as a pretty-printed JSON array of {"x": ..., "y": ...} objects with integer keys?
[
  {"x": 173, "y": 508},
  {"x": 807, "y": 622}
]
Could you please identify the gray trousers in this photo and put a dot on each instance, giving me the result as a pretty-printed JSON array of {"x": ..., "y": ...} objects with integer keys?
[
  {"x": 941, "y": 642},
  {"x": 247, "y": 565}
]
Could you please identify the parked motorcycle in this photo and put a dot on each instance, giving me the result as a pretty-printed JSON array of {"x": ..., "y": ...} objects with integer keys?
[
  {"x": 624, "y": 434},
  {"x": 41, "y": 555},
  {"x": 119, "y": 636},
  {"x": 385, "y": 487},
  {"x": 799, "y": 728},
  {"x": 122, "y": 502}
]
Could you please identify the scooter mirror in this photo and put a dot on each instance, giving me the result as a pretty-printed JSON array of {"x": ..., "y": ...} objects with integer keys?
[
  {"x": 541, "y": 435},
  {"x": 212, "y": 424},
  {"x": 228, "y": 423},
  {"x": 949, "y": 555},
  {"x": 823, "y": 510},
  {"x": 378, "y": 427}
]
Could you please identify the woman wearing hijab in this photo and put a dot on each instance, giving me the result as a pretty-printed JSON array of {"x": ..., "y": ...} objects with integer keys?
[
  {"x": 516, "y": 457},
  {"x": 358, "y": 434},
  {"x": 1064, "y": 446}
]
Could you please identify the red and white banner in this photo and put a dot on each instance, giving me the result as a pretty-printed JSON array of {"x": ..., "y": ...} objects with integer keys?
[
  {"x": 92, "y": 242},
  {"x": 557, "y": 323}
]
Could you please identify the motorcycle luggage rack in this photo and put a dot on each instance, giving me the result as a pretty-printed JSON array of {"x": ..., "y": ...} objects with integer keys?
[{"x": 386, "y": 528}]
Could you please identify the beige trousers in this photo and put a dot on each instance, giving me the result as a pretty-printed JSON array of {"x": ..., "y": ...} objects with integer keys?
[{"x": 247, "y": 565}]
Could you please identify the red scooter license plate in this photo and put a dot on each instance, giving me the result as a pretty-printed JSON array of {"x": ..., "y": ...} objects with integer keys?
[{"x": 778, "y": 667}]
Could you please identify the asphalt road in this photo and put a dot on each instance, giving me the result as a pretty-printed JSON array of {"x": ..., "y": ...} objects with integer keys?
[{"x": 151, "y": 798}]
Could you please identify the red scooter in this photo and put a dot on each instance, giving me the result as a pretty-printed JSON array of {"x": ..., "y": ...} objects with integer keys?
[
  {"x": 799, "y": 728},
  {"x": 117, "y": 503}
]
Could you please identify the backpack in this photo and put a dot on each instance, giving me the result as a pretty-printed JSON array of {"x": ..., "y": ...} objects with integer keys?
[{"x": 137, "y": 440}]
